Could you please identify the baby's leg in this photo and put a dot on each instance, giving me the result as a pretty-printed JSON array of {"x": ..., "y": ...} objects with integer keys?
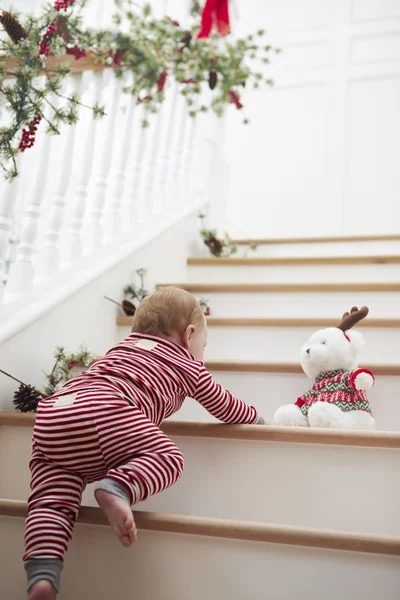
[
  {"x": 52, "y": 510},
  {"x": 143, "y": 461}
]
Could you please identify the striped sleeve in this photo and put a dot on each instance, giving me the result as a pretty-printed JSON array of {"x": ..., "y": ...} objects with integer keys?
[{"x": 222, "y": 404}]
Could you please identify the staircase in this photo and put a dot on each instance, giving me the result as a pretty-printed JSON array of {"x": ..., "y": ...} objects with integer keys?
[{"x": 260, "y": 511}]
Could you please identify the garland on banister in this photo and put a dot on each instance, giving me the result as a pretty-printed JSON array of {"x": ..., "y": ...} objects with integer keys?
[{"x": 154, "y": 52}]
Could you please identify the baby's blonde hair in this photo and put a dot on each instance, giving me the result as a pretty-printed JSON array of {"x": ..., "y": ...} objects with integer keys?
[{"x": 167, "y": 311}]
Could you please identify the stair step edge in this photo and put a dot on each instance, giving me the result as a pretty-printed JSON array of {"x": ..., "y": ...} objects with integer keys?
[{"x": 235, "y": 530}]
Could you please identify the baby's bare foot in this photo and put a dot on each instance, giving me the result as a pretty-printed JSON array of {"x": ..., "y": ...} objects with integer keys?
[
  {"x": 119, "y": 515},
  {"x": 43, "y": 590}
]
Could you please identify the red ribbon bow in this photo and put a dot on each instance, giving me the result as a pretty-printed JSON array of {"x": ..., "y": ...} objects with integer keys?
[{"x": 215, "y": 12}]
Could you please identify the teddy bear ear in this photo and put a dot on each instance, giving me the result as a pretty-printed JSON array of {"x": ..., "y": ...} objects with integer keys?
[{"x": 356, "y": 339}]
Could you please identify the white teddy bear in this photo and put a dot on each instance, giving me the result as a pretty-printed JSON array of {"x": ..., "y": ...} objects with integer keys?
[{"x": 337, "y": 399}]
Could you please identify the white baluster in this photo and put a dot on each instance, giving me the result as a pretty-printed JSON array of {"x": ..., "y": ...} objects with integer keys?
[
  {"x": 187, "y": 176},
  {"x": 49, "y": 255},
  {"x": 72, "y": 246},
  {"x": 135, "y": 208},
  {"x": 177, "y": 190},
  {"x": 21, "y": 274},
  {"x": 95, "y": 226},
  {"x": 152, "y": 207},
  {"x": 166, "y": 157},
  {"x": 175, "y": 151},
  {"x": 7, "y": 203},
  {"x": 113, "y": 224}
]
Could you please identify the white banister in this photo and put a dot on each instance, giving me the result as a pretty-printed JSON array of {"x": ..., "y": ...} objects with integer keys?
[
  {"x": 49, "y": 254},
  {"x": 99, "y": 188},
  {"x": 95, "y": 213},
  {"x": 72, "y": 246},
  {"x": 113, "y": 217}
]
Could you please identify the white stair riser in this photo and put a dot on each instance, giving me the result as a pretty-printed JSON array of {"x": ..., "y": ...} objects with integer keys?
[
  {"x": 328, "y": 249},
  {"x": 295, "y": 484},
  {"x": 295, "y": 274},
  {"x": 303, "y": 484},
  {"x": 301, "y": 304},
  {"x": 205, "y": 568},
  {"x": 283, "y": 344}
]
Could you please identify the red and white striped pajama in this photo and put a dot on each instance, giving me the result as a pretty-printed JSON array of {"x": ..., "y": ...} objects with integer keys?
[{"x": 105, "y": 423}]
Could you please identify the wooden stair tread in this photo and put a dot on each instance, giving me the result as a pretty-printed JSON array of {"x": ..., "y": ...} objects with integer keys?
[
  {"x": 264, "y": 261},
  {"x": 251, "y": 433},
  {"x": 317, "y": 240},
  {"x": 259, "y": 288},
  {"x": 235, "y": 530},
  {"x": 125, "y": 321},
  {"x": 286, "y": 367}
]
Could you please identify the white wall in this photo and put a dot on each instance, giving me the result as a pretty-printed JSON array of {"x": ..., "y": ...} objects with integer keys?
[
  {"x": 86, "y": 317},
  {"x": 320, "y": 156}
]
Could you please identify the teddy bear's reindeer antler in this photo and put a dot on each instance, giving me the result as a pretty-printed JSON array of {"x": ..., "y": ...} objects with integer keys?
[{"x": 354, "y": 316}]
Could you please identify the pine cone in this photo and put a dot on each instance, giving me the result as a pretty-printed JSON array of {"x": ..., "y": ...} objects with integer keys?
[
  {"x": 26, "y": 398},
  {"x": 13, "y": 27},
  {"x": 62, "y": 28},
  {"x": 215, "y": 245},
  {"x": 128, "y": 308},
  {"x": 187, "y": 38},
  {"x": 212, "y": 79}
]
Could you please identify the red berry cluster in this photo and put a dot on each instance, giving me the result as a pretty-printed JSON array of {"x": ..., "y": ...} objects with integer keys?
[
  {"x": 28, "y": 135},
  {"x": 162, "y": 81},
  {"x": 235, "y": 99},
  {"x": 63, "y": 4},
  {"x": 44, "y": 47},
  {"x": 77, "y": 52}
]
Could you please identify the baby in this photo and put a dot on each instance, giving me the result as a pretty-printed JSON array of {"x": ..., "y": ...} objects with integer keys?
[{"x": 103, "y": 426}]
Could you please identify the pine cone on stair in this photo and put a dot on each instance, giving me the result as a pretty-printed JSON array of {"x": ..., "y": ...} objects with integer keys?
[
  {"x": 62, "y": 28},
  {"x": 26, "y": 398},
  {"x": 13, "y": 27},
  {"x": 215, "y": 245}
]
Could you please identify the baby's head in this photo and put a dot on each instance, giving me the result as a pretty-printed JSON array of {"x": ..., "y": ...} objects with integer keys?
[{"x": 173, "y": 314}]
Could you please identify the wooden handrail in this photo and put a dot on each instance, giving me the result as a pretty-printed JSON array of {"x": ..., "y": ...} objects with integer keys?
[
  {"x": 317, "y": 240},
  {"x": 264, "y": 261},
  {"x": 236, "y": 530},
  {"x": 238, "y": 366},
  {"x": 252, "y": 433},
  {"x": 318, "y": 323},
  {"x": 262, "y": 288},
  {"x": 87, "y": 63}
]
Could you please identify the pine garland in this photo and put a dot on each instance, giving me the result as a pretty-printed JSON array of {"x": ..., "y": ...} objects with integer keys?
[
  {"x": 154, "y": 51},
  {"x": 66, "y": 367}
]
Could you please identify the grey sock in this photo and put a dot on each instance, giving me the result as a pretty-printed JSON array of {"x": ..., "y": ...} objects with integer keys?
[
  {"x": 44, "y": 569},
  {"x": 113, "y": 487}
]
